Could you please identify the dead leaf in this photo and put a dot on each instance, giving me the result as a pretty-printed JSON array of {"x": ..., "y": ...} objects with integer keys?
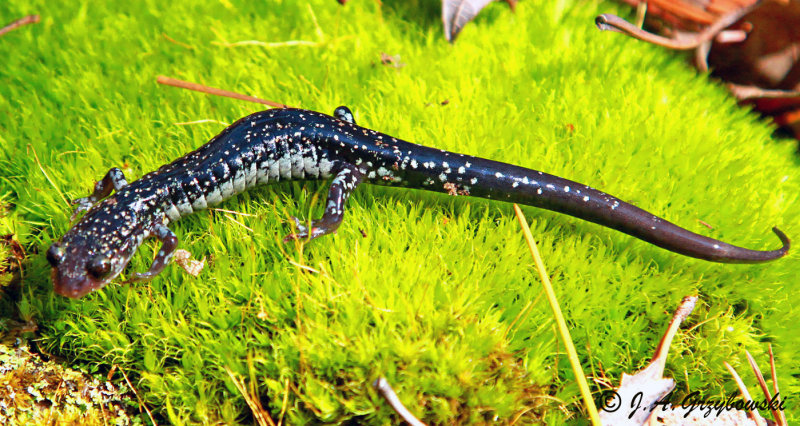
[
  {"x": 753, "y": 46},
  {"x": 391, "y": 60},
  {"x": 457, "y": 13},
  {"x": 191, "y": 266},
  {"x": 648, "y": 385}
]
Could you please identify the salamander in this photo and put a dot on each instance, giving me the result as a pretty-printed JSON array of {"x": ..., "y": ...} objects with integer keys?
[{"x": 294, "y": 144}]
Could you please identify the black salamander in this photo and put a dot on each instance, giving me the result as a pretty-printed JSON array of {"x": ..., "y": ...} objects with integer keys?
[{"x": 293, "y": 144}]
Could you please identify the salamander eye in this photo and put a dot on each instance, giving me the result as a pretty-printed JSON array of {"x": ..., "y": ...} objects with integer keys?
[
  {"x": 99, "y": 267},
  {"x": 55, "y": 254}
]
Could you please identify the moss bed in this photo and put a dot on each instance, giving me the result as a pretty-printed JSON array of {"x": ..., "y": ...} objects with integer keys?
[{"x": 435, "y": 293}]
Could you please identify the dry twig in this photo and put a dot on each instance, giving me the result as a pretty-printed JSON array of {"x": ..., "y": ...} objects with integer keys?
[{"x": 30, "y": 19}]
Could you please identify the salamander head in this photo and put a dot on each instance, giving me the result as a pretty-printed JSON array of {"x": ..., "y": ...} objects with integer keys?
[{"x": 91, "y": 254}]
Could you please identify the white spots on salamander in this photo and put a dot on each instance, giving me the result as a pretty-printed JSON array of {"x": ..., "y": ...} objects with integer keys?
[
  {"x": 716, "y": 246},
  {"x": 566, "y": 189},
  {"x": 462, "y": 170},
  {"x": 498, "y": 175},
  {"x": 550, "y": 186},
  {"x": 443, "y": 177},
  {"x": 473, "y": 180},
  {"x": 445, "y": 165},
  {"x": 586, "y": 198},
  {"x": 414, "y": 164},
  {"x": 468, "y": 165},
  {"x": 515, "y": 184},
  {"x": 615, "y": 205},
  {"x": 539, "y": 191}
]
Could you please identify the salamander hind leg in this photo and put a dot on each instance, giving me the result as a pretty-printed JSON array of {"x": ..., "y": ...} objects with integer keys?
[
  {"x": 113, "y": 180},
  {"x": 342, "y": 186},
  {"x": 343, "y": 113},
  {"x": 169, "y": 242}
]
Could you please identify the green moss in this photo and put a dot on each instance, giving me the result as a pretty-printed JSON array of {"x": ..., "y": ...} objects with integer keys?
[{"x": 439, "y": 296}]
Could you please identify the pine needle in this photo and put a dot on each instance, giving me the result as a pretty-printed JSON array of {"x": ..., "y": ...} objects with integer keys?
[
  {"x": 562, "y": 324},
  {"x": 214, "y": 91}
]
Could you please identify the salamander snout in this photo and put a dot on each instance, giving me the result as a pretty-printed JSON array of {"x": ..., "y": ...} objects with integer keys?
[
  {"x": 73, "y": 283},
  {"x": 73, "y": 277}
]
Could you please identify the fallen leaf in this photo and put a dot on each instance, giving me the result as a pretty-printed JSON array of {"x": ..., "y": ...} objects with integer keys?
[
  {"x": 391, "y": 60},
  {"x": 457, "y": 13},
  {"x": 648, "y": 385},
  {"x": 753, "y": 46},
  {"x": 184, "y": 259}
]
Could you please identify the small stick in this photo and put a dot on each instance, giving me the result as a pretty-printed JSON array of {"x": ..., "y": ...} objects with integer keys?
[
  {"x": 30, "y": 19},
  {"x": 214, "y": 91},
  {"x": 744, "y": 93},
  {"x": 141, "y": 403},
  {"x": 386, "y": 391}
]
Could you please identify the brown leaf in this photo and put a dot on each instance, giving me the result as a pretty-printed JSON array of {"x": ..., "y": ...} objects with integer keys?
[
  {"x": 391, "y": 60},
  {"x": 753, "y": 46},
  {"x": 191, "y": 266}
]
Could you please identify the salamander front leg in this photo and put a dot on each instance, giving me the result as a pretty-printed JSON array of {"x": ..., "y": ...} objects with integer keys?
[
  {"x": 114, "y": 179},
  {"x": 342, "y": 186},
  {"x": 169, "y": 242},
  {"x": 343, "y": 113}
]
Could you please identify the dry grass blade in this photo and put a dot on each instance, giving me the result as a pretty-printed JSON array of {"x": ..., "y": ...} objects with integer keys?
[
  {"x": 562, "y": 324},
  {"x": 261, "y": 416},
  {"x": 30, "y": 19},
  {"x": 754, "y": 415},
  {"x": 214, "y": 91},
  {"x": 761, "y": 382},
  {"x": 285, "y": 403},
  {"x": 386, "y": 391},
  {"x": 38, "y": 163}
]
